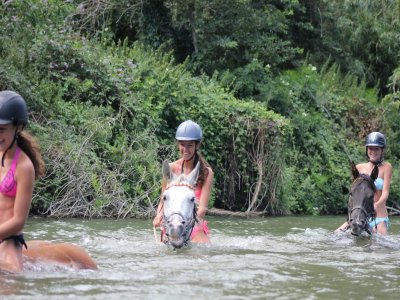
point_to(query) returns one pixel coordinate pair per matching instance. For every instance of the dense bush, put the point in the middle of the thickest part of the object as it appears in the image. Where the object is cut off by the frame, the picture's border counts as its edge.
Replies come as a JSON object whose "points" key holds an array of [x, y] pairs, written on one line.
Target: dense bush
{"points": [[105, 103], [105, 115], [331, 114]]}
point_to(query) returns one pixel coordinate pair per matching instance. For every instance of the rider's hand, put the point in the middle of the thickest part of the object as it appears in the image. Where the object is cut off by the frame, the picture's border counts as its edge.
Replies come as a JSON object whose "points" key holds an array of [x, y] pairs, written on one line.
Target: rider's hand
{"points": [[157, 220]]}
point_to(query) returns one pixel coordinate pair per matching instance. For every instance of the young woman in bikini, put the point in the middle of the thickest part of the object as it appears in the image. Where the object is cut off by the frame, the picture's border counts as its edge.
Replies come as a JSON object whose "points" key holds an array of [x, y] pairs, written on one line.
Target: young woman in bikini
{"points": [[375, 144], [21, 163], [189, 136]]}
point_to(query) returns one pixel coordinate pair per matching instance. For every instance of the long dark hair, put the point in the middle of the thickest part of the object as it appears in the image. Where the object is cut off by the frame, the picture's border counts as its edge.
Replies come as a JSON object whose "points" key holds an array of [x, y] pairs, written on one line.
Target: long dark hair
{"points": [[203, 173], [29, 145]]}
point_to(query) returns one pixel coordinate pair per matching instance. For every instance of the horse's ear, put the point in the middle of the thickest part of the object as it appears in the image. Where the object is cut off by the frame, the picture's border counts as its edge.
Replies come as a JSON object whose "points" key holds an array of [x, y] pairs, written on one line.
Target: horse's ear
{"points": [[194, 175], [354, 170], [166, 169], [375, 173]]}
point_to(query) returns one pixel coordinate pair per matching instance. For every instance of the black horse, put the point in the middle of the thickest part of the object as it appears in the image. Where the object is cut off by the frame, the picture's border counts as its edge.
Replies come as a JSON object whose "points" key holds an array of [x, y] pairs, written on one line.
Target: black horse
{"points": [[361, 201]]}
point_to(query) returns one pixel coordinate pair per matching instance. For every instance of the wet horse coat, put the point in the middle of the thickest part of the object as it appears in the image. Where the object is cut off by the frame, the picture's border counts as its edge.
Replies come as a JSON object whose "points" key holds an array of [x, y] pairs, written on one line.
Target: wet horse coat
{"points": [[67, 254], [361, 201]]}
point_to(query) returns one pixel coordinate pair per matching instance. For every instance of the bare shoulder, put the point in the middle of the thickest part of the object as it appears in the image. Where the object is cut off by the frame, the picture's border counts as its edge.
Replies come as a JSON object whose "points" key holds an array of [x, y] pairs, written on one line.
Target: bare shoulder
{"points": [[387, 165], [387, 168], [362, 167], [24, 165]]}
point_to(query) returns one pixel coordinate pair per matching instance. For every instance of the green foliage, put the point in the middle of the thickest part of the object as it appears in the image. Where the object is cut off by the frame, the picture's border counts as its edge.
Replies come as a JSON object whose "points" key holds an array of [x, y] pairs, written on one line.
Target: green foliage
{"points": [[108, 84], [361, 36], [330, 115], [105, 114]]}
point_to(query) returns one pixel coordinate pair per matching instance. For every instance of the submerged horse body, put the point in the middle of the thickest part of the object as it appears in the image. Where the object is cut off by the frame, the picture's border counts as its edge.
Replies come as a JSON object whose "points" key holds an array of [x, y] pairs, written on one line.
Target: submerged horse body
{"points": [[66, 254], [179, 211], [361, 201]]}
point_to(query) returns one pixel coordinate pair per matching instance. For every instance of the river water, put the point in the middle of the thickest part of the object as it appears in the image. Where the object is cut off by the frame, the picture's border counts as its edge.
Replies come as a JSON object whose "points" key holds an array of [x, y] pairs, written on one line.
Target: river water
{"points": [[262, 258]]}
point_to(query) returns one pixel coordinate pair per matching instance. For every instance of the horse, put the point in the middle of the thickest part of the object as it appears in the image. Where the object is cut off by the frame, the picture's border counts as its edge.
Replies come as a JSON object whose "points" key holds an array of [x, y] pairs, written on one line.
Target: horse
{"points": [[361, 201], [66, 254], [35, 251], [179, 211]]}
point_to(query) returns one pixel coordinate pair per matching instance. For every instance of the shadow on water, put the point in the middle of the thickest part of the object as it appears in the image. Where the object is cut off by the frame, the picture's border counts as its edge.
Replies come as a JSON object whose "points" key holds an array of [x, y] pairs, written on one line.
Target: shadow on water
{"points": [[279, 258]]}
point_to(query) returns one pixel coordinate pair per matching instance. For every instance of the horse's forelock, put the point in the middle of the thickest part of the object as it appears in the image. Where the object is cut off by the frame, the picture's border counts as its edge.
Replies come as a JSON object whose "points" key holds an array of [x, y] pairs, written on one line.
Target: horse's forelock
{"points": [[361, 178]]}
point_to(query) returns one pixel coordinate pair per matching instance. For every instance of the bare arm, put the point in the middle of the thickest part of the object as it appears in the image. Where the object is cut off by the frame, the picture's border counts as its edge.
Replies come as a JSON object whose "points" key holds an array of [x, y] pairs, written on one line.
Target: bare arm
{"points": [[205, 194], [343, 227], [159, 214], [387, 177]]}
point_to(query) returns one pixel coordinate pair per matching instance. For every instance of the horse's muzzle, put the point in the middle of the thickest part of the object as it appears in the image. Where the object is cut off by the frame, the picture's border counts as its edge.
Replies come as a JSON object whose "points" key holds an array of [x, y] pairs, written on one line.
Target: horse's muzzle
{"points": [[357, 227], [175, 231]]}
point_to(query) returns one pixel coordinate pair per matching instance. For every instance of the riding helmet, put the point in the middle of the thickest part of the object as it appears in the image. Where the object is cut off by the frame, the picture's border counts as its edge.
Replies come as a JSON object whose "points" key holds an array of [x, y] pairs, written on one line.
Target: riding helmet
{"points": [[12, 108], [189, 131], [375, 139]]}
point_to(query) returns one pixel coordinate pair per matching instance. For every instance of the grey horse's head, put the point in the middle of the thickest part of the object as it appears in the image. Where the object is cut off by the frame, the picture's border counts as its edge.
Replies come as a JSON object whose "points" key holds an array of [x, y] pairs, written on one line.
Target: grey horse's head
{"points": [[179, 206], [361, 201]]}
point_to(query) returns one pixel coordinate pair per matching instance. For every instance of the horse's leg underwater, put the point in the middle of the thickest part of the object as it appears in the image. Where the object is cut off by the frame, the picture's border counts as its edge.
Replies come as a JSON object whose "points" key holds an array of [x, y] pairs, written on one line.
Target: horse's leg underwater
{"points": [[62, 253]]}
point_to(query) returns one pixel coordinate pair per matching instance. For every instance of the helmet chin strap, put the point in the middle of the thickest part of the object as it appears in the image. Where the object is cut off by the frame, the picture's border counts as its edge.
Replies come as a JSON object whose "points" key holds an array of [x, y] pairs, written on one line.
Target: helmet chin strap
{"points": [[9, 147]]}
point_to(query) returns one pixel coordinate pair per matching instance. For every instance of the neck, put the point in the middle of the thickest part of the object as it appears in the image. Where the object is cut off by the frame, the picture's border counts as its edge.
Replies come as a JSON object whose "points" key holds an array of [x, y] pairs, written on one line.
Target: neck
{"points": [[188, 164], [376, 163]]}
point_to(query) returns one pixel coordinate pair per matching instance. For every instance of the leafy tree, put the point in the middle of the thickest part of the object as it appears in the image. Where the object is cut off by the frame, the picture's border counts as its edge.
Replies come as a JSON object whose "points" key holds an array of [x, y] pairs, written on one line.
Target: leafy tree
{"points": [[361, 36]]}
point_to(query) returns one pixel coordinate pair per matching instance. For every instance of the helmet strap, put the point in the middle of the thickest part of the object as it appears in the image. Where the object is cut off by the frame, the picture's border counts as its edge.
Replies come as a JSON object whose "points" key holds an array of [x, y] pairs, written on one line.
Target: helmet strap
{"points": [[16, 135]]}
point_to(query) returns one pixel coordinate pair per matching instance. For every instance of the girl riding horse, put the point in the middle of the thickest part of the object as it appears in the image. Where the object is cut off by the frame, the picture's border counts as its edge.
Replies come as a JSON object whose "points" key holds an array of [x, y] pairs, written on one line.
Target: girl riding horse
{"points": [[189, 136], [21, 164], [375, 144]]}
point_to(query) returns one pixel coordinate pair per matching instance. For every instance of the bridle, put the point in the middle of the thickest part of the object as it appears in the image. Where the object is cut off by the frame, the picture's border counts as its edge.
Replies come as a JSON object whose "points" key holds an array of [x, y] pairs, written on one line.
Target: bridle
{"points": [[187, 223], [368, 215]]}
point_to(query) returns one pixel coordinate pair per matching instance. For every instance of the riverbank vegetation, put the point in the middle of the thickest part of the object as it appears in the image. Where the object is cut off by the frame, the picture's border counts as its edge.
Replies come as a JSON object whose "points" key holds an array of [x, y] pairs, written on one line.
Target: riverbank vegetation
{"points": [[285, 92]]}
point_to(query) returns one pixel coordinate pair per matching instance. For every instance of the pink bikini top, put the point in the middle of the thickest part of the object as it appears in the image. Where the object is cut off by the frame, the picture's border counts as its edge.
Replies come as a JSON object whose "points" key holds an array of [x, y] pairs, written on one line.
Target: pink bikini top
{"points": [[8, 185]]}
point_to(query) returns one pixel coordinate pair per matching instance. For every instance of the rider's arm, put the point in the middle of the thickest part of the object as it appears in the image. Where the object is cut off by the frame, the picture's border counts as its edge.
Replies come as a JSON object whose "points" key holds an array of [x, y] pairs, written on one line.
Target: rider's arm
{"points": [[387, 177], [159, 213], [205, 194], [343, 227]]}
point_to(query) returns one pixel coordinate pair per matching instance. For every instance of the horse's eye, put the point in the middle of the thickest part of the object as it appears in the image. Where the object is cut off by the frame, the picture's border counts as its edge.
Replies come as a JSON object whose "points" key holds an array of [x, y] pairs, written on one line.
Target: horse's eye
{"points": [[164, 198], [192, 199]]}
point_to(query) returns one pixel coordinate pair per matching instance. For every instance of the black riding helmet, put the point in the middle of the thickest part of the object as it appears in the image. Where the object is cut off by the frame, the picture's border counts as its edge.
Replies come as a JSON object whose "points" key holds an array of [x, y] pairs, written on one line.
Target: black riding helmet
{"points": [[375, 139], [13, 110]]}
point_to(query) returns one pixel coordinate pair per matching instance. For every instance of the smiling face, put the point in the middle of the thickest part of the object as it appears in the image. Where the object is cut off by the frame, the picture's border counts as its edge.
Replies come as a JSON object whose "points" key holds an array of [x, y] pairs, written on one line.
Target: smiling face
{"points": [[374, 153], [187, 149], [7, 133]]}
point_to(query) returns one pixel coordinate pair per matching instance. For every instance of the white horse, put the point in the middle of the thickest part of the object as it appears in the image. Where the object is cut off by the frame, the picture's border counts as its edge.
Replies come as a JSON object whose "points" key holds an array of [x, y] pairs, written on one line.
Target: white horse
{"points": [[179, 206]]}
